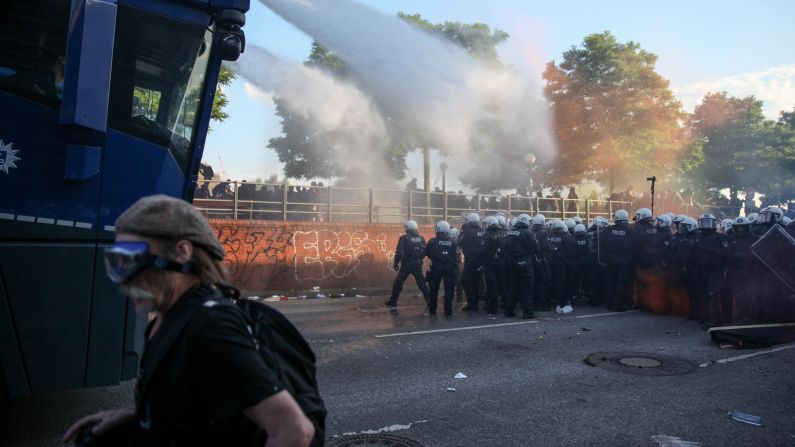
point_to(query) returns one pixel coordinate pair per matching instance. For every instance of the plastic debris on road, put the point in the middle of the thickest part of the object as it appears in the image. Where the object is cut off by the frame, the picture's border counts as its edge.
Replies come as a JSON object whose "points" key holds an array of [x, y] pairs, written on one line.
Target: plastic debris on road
{"points": [[255, 298], [452, 390], [747, 418], [272, 299], [320, 296], [316, 289], [673, 441], [567, 309], [460, 376], [360, 296]]}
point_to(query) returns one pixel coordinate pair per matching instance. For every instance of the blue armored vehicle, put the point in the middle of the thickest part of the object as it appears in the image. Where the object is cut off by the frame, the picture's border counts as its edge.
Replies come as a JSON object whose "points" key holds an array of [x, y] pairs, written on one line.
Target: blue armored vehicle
{"points": [[101, 102]]}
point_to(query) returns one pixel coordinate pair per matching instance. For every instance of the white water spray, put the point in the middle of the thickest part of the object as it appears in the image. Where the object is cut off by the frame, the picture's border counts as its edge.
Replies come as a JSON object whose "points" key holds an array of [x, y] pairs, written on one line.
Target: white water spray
{"points": [[430, 89]]}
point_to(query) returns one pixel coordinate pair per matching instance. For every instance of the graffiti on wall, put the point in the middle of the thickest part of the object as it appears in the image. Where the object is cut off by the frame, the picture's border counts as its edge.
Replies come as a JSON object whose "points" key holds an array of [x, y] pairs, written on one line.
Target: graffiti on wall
{"points": [[250, 248], [323, 254]]}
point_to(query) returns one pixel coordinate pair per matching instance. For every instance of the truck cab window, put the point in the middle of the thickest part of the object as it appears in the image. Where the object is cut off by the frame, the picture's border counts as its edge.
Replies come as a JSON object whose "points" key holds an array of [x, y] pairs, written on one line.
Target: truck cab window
{"points": [[159, 70], [33, 48]]}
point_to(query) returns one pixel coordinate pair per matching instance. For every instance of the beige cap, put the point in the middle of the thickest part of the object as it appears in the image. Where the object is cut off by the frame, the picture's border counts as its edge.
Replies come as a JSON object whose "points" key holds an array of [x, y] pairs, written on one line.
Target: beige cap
{"points": [[165, 217]]}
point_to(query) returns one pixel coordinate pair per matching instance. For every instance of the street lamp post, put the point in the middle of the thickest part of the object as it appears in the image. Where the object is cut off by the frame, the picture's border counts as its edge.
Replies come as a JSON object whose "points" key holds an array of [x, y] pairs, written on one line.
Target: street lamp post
{"points": [[530, 159], [443, 167]]}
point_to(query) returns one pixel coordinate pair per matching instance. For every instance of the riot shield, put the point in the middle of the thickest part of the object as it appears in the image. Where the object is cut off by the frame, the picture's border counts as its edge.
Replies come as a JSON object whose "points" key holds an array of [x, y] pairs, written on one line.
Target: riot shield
{"points": [[776, 250]]}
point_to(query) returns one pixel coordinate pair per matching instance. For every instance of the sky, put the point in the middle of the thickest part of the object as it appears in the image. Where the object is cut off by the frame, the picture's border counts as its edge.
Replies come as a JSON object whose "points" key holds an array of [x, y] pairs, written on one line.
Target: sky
{"points": [[702, 46]]}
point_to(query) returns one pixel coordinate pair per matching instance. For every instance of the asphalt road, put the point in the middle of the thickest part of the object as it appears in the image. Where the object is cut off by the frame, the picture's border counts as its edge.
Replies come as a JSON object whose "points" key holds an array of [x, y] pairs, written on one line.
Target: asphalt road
{"points": [[527, 383]]}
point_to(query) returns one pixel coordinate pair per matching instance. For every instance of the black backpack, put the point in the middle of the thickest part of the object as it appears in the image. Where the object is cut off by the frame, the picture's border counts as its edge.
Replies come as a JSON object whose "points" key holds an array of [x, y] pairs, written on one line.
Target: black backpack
{"points": [[286, 351]]}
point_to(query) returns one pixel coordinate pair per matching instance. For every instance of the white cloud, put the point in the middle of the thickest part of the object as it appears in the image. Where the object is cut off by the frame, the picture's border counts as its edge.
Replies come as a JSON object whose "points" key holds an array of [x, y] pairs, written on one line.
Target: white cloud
{"points": [[255, 94], [775, 86]]}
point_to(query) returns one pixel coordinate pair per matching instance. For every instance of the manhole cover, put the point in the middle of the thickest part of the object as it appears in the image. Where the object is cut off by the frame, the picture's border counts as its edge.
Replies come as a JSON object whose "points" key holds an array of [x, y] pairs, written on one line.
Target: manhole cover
{"points": [[640, 363], [372, 441]]}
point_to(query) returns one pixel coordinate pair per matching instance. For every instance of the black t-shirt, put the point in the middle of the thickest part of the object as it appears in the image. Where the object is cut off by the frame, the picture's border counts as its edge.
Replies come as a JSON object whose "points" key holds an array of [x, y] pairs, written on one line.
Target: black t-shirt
{"points": [[198, 373]]}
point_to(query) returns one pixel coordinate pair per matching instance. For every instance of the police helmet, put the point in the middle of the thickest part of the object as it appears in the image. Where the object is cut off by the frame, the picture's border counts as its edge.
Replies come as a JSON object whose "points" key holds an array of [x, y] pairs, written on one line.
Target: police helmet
{"points": [[443, 227], [741, 226], [707, 222], [663, 221], [411, 225], [454, 233], [523, 220], [501, 220], [786, 220], [741, 221], [513, 222], [473, 219], [621, 216], [643, 214], [679, 218], [570, 224], [688, 225], [725, 225], [490, 221], [771, 214], [601, 222], [559, 226], [671, 215], [577, 220], [753, 217], [579, 229], [539, 219]]}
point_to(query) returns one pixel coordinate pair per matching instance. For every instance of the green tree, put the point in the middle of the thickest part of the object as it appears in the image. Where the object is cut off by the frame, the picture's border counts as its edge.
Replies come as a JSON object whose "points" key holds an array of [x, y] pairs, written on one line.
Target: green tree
{"points": [[308, 152], [220, 100], [734, 134], [615, 118]]}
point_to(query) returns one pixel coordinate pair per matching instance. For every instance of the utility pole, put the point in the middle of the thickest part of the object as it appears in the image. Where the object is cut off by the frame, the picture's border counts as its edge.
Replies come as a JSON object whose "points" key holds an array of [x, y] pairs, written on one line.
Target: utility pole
{"points": [[653, 180]]}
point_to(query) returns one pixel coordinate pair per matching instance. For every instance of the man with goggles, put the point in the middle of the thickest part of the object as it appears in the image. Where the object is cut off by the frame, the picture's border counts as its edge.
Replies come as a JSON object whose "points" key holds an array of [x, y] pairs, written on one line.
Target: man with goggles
{"points": [[202, 380]]}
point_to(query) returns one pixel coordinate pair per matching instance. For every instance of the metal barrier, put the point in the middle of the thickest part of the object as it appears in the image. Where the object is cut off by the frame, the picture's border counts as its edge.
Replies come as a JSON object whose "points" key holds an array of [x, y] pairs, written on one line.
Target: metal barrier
{"points": [[269, 201]]}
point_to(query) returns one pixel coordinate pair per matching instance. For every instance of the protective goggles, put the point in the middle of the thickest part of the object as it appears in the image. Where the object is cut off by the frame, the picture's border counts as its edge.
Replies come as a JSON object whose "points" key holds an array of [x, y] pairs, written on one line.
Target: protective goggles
{"points": [[125, 259]]}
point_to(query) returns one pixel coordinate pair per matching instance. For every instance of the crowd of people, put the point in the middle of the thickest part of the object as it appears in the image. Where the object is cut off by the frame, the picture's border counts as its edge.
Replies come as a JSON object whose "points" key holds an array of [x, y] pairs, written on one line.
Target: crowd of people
{"points": [[702, 267]]}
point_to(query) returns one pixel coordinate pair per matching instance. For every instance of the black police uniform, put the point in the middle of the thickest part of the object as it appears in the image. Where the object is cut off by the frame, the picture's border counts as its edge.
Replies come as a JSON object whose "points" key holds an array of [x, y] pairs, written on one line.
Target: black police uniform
{"points": [[595, 274], [580, 266], [709, 254], [444, 266], [502, 276], [617, 245], [643, 258], [471, 243], [409, 254], [742, 271], [521, 248], [541, 273], [561, 252], [492, 263], [684, 267]]}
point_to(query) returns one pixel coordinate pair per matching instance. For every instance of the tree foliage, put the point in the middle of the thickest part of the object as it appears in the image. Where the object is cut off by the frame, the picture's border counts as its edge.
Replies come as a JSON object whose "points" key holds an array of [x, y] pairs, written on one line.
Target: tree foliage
{"points": [[220, 100], [615, 118]]}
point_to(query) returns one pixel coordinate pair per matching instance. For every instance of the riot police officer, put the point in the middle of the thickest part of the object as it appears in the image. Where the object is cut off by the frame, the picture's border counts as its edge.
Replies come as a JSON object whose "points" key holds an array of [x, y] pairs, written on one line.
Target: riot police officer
{"points": [[581, 264], [541, 274], [471, 242], [682, 260], [491, 261], [617, 245], [561, 251], [709, 253], [595, 280], [521, 248], [643, 255], [409, 254], [443, 253]]}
